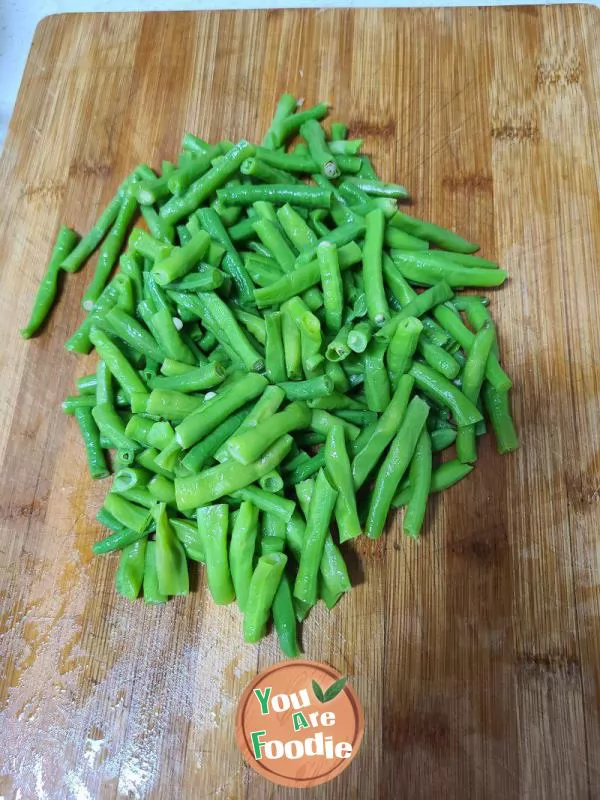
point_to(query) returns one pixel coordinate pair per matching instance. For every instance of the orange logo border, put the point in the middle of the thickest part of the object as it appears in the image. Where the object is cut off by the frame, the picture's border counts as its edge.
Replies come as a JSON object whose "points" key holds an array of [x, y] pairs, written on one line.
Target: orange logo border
{"points": [[246, 747]]}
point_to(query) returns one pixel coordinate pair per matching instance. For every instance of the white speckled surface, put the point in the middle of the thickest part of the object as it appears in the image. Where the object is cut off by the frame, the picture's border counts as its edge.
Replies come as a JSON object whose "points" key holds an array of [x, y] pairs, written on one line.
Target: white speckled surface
{"points": [[18, 20]]}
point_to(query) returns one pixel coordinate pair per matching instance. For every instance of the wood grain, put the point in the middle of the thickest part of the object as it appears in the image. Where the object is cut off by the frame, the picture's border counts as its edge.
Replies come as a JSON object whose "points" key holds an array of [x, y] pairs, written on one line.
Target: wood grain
{"points": [[476, 651]]}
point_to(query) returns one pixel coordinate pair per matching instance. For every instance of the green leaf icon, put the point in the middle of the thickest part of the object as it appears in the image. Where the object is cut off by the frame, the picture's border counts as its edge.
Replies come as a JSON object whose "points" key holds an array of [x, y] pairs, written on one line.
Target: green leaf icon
{"points": [[334, 689], [318, 692]]}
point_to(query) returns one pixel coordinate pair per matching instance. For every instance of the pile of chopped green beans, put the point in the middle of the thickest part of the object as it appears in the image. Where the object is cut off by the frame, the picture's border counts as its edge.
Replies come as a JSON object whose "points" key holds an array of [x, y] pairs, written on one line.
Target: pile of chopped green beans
{"points": [[281, 362]]}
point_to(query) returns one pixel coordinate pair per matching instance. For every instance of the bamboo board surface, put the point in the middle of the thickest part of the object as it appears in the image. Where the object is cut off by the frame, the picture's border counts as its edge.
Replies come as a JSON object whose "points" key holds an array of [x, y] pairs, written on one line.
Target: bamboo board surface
{"points": [[475, 651]]}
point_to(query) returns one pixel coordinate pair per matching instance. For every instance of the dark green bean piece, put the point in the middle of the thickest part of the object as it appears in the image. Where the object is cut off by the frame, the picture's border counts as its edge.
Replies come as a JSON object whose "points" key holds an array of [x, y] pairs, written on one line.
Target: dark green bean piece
{"points": [[248, 446], [457, 329], [359, 336], [442, 438], [394, 465], [241, 550], [196, 490], [128, 514], [162, 490], [420, 482], [181, 260], [217, 314], [378, 188], [304, 390], [377, 382], [178, 207], [111, 425], [415, 307], [272, 237], [138, 428], [73, 402], [264, 408], [66, 241], [400, 240], [284, 618], [438, 359], [367, 457], [198, 455], [472, 379], [188, 534], [321, 507], [267, 501], [465, 260], [196, 379], [257, 169], [130, 572], [314, 135], [129, 478], [498, 409], [291, 124], [86, 384], [130, 331], [212, 525], [147, 459], [297, 194], [366, 168], [303, 278], [116, 362], [339, 131], [183, 177], [445, 393], [428, 269], [339, 472], [372, 268], [157, 226], [296, 229], [286, 106], [105, 518], [448, 240], [109, 252], [172, 405], [171, 561], [194, 144], [292, 346], [117, 540], [91, 441], [305, 469], [274, 349], [79, 255], [169, 338], [216, 410], [402, 347], [152, 593], [80, 342], [232, 263], [445, 476], [261, 594], [331, 281]]}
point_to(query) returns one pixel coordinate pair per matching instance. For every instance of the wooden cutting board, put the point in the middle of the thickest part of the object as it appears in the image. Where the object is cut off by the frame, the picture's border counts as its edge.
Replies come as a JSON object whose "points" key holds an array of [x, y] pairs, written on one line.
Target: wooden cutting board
{"points": [[475, 651]]}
